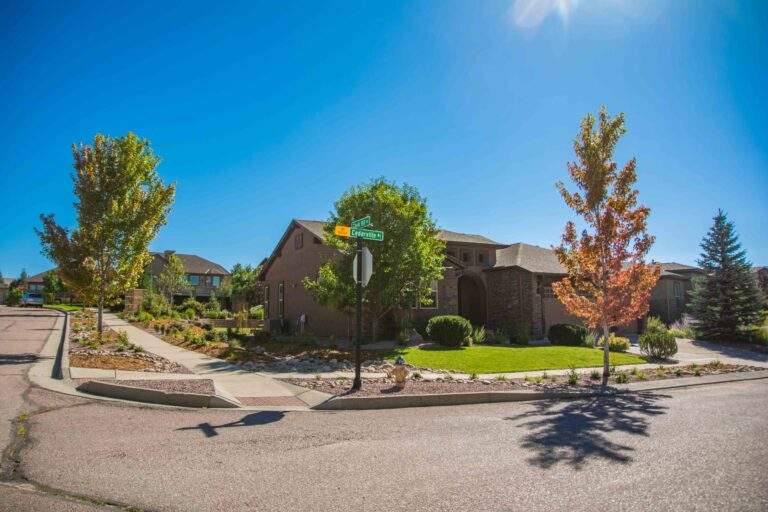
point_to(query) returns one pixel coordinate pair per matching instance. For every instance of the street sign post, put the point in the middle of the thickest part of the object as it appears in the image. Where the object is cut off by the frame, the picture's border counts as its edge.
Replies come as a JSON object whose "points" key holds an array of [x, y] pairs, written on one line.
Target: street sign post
{"points": [[367, 266], [361, 223], [361, 274]]}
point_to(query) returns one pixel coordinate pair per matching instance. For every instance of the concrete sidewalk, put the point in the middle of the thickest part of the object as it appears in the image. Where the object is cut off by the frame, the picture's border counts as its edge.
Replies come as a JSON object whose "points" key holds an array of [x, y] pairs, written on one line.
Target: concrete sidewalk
{"points": [[250, 388]]}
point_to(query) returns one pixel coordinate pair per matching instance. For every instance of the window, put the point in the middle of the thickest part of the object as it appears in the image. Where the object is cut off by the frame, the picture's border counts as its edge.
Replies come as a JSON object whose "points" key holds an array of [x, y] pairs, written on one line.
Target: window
{"points": [[678, 290], [193, 280], [430, 301], [280, 300], [465, 257], [481, 258], [215, 281], [298, 241], [266, 302]]}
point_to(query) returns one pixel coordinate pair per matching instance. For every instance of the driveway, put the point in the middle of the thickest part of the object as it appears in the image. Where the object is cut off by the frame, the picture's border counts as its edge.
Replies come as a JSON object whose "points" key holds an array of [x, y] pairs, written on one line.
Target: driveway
{"points": [[689, 351]]}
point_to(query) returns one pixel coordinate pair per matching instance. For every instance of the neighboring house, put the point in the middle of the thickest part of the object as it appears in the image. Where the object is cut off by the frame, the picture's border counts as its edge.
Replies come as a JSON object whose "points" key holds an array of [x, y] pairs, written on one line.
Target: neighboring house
{"points": [[35, 284], [5, 284], [203, 276], [489, 283], [669, 298]]}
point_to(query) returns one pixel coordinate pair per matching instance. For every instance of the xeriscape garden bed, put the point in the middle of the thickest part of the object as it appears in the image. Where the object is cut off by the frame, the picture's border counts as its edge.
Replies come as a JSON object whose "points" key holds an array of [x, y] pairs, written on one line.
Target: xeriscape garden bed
{"points": [[583, 382], [111, 350]]}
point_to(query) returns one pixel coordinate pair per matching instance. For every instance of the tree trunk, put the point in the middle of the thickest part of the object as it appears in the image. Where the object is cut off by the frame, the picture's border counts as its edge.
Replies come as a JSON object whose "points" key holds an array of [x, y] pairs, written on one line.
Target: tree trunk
{"points": [[606, 356], [100, 325]]}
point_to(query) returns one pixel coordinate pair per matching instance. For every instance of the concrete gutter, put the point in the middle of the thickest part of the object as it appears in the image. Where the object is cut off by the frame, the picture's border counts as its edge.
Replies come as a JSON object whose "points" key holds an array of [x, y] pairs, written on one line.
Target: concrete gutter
{"points": [[155, 396], [484, 397]]}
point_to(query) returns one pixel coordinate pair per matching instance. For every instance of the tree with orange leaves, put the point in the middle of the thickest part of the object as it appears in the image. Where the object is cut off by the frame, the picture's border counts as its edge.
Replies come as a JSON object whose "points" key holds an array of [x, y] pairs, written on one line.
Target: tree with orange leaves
{"points": [[608, 283]]}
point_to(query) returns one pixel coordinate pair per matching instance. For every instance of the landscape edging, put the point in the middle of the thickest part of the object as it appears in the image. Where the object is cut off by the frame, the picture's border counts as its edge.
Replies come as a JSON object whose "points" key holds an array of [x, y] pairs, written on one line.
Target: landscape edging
{"points": [[482, 397]]}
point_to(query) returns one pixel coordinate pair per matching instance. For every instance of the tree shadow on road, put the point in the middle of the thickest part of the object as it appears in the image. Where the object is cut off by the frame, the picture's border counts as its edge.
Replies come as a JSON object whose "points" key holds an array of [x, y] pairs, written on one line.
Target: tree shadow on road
{"points": [[575, 432], [250, 420]]}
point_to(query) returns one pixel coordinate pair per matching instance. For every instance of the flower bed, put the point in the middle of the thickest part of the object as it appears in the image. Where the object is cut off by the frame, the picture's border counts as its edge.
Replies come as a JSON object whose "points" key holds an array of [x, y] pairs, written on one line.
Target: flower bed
{"points": [[112, 350], [447, 384]]}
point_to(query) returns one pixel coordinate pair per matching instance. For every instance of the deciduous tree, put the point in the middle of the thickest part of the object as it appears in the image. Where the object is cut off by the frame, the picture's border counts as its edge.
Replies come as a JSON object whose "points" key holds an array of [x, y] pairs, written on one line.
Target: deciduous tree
{"points": [[405, 264], [121, 204], [173, 278], [608, 283], [726, 298]]}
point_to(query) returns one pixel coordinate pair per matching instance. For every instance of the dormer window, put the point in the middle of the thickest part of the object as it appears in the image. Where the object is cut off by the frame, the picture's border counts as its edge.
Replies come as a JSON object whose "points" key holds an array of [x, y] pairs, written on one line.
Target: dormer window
{"points": [[298, 241]]}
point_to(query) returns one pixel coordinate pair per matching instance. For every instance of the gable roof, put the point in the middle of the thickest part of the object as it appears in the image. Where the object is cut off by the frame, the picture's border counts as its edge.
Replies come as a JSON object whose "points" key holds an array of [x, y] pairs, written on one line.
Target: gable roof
{"points": [[465, 238], [194, 264], [674, 267], [38, 278], [532, 258]]}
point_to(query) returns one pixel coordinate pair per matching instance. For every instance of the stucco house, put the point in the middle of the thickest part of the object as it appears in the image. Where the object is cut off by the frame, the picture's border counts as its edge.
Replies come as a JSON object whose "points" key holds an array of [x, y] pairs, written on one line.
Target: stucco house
{"points": [[493, 284], [204, 276]]}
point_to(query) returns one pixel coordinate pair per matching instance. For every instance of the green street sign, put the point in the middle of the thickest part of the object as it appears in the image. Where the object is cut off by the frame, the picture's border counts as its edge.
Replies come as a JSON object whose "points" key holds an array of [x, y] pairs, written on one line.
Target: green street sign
{"points": [[361, 223], [367, 234]]}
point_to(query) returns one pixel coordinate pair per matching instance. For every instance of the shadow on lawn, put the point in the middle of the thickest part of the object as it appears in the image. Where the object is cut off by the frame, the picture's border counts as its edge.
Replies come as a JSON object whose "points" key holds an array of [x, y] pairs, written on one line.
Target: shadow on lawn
{"points": [[250, 420], [575, 432]]}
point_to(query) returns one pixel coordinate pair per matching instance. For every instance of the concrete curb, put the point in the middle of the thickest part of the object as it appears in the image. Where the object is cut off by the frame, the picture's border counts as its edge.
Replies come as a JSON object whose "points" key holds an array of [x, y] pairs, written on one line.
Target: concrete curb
{"points": [[155, 396], [401, 401]]}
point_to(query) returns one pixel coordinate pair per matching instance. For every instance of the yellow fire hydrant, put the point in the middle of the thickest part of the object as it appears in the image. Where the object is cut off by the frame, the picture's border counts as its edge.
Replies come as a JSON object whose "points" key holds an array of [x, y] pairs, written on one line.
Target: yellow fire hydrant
{"points": [[400, 372]]}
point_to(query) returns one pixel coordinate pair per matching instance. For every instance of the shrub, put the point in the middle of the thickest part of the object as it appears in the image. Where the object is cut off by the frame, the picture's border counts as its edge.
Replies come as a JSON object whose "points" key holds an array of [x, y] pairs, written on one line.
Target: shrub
{"points": [[156, 305], [655, 324], [573, 377], [683, 328], [615, 343], [590, 340], [196, 305], [257, 312], [497, 336], [657, 344], [567, 334], [622, 378], [449, 330], [189, 314], [756, 334], [594, 375], [473, 376], [144, 317], [14, 297], [520, 335], [479, 335]]}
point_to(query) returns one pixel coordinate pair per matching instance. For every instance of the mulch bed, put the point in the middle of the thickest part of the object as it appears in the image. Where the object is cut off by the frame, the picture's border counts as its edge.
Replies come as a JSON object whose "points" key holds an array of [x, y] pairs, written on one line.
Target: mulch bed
{"points": [[379, 387], [197, 386]]}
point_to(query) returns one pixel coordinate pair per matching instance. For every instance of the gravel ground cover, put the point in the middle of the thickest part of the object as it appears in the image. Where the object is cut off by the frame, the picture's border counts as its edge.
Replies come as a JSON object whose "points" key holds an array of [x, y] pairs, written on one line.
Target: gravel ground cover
{"points": [[419, 386], [197, 386], [111, 350]]}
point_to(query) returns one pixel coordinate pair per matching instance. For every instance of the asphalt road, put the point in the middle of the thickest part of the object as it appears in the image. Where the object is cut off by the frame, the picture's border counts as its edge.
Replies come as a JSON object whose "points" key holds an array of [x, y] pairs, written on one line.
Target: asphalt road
{"points": [[703, 448]]}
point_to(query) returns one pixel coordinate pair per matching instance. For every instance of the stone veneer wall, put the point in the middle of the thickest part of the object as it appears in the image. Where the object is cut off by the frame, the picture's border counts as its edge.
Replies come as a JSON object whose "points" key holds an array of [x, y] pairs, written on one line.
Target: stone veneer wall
{"points": [[511, 300]]}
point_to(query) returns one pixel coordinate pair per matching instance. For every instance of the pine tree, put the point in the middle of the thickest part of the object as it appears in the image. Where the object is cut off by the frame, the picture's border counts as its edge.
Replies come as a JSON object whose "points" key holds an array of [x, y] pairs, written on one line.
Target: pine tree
{"points": [[725, 298]]}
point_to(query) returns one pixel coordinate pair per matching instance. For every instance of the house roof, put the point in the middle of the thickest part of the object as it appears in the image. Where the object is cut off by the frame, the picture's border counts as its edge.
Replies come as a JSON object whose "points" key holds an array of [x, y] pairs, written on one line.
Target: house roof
{"points": [[194, 264], [313, 226], [532, 258], [38, 278], [6, 281], [674, 267], [465, 238]]}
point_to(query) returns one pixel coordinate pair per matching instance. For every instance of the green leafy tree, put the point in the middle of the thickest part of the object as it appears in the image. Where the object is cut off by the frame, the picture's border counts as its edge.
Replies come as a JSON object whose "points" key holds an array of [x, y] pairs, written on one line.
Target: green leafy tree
{"points": [[52, 285], [244, 282], [173, 278], [14, 296], [726, 297], [405, 264], [121, 204]]}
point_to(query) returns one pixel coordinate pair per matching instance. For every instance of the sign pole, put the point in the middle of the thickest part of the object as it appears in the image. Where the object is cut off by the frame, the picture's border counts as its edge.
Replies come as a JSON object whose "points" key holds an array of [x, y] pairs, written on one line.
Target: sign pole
{"points": [[358, 382]]}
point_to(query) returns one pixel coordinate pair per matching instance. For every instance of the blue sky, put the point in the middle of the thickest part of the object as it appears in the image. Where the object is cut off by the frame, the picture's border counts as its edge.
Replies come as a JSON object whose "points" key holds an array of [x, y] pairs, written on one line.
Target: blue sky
{"points": [[266, 111]]}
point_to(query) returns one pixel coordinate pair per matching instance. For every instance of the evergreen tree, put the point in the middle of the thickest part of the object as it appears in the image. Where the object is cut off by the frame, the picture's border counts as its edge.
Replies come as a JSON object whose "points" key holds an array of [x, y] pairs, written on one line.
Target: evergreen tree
{"points": [[725, 298]]}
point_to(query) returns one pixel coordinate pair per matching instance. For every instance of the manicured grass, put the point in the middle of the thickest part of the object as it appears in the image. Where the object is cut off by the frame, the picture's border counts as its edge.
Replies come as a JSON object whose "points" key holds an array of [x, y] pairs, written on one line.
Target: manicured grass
{"points": [[64, 307], [498, 359]]}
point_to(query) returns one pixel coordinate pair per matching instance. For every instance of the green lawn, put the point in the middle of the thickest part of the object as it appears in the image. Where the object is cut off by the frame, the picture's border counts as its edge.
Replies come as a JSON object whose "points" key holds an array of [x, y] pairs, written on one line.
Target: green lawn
{"points": [[64, 307], [498, 359]]}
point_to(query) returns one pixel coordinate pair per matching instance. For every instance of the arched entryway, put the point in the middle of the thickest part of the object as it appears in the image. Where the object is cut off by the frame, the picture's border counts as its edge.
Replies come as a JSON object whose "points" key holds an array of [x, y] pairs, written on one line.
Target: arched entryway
{"points": [[472, 299]]}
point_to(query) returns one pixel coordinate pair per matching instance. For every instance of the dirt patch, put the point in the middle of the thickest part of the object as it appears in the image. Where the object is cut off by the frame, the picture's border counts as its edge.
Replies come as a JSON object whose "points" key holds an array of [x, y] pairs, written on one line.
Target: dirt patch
{"points": [[197, 386], [109, 362]]}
